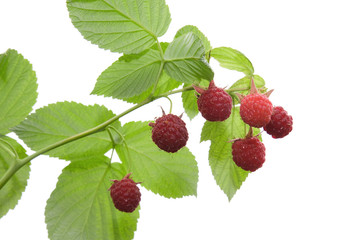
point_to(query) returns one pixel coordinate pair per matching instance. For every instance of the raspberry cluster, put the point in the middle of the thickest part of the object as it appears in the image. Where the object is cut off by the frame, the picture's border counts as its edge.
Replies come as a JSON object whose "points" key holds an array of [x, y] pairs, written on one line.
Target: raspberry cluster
{"points": [[256, 110]]}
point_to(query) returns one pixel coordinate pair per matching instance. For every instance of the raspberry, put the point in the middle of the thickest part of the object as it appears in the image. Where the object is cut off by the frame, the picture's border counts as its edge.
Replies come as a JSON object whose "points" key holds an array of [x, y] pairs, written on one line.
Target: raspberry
{"points": [[256, 110], [169, 133], [248, 153], [280, 124], [214, 103], [125, 194]]}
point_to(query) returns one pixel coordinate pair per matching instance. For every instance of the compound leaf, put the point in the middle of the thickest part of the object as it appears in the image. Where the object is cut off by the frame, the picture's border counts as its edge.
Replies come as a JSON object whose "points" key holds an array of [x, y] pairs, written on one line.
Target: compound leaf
{"points": [[185, 59], [62, 120], [13, 189], [17, 89], [80, 207], [171, 175], [122, 26], [232, 59], [129, 76]]}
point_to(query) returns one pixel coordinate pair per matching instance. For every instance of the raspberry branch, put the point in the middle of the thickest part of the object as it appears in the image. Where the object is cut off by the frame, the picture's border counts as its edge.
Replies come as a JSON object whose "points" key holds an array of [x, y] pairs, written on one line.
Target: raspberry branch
{"points": [[19, 163]]}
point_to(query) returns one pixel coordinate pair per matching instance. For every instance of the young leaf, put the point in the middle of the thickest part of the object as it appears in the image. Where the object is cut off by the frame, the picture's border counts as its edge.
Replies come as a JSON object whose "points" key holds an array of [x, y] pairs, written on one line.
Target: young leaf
{"points": [[189, 28], [164, 85], [172, 175], [129, 76], [233, 59], [185, 59], [127, 26], [62, 120], [80, 207], [227, 175], [17, 89], [13, 189], [189, 100]]}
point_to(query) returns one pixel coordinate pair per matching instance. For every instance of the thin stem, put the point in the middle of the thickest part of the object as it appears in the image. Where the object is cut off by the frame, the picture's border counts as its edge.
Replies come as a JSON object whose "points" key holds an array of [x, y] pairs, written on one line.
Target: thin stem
{"points": [[111, 136], [117, 132], [171, 104], [160, 49], [112, 153], [189, 88], [11, 171]]}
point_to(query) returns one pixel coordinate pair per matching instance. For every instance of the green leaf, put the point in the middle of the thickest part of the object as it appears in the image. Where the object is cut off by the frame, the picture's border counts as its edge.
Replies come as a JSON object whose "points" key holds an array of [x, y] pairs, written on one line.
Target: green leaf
{"points": [[129, 76], [189, 100], [11, 193], [164, 85], [185, 59], [245, 84], [232, 59], [122, 26], [62, 120], [189, 28], [171, 175], [80, 207], [17, 89], [227, 175]]}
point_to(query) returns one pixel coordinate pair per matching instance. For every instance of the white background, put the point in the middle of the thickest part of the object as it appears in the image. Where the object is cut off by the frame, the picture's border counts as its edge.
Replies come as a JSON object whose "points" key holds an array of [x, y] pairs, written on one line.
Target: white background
{"points": [[308, 51]]}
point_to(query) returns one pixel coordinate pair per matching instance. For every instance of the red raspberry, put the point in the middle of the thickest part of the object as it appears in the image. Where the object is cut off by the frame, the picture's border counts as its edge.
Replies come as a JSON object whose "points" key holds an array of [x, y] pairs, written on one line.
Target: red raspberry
{"points": [[256, 110], [280, 124], [125, 194], [248, 153], [169, 133], [214, 103]]}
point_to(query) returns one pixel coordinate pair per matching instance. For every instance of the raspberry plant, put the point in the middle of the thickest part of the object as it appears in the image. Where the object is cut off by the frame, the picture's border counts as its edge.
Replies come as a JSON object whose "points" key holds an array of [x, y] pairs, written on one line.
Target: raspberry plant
{"points": [[81, 205]]}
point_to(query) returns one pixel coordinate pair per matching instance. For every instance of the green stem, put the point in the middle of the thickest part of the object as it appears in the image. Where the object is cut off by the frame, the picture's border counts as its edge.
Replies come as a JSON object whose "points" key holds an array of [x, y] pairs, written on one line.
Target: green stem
{"points": [[11, 171], [117, 132], [160, 50], [111, 136], [189, 88], [101, 127], [170, 104]]}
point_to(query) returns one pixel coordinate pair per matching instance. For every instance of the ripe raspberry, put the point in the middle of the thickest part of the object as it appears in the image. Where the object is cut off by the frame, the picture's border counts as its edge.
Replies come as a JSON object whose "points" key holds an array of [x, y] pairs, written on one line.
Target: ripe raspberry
{"points": [[248, 153], [125, 194], [169, 133], [280, 124], [214, 103], [256, 110]]}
